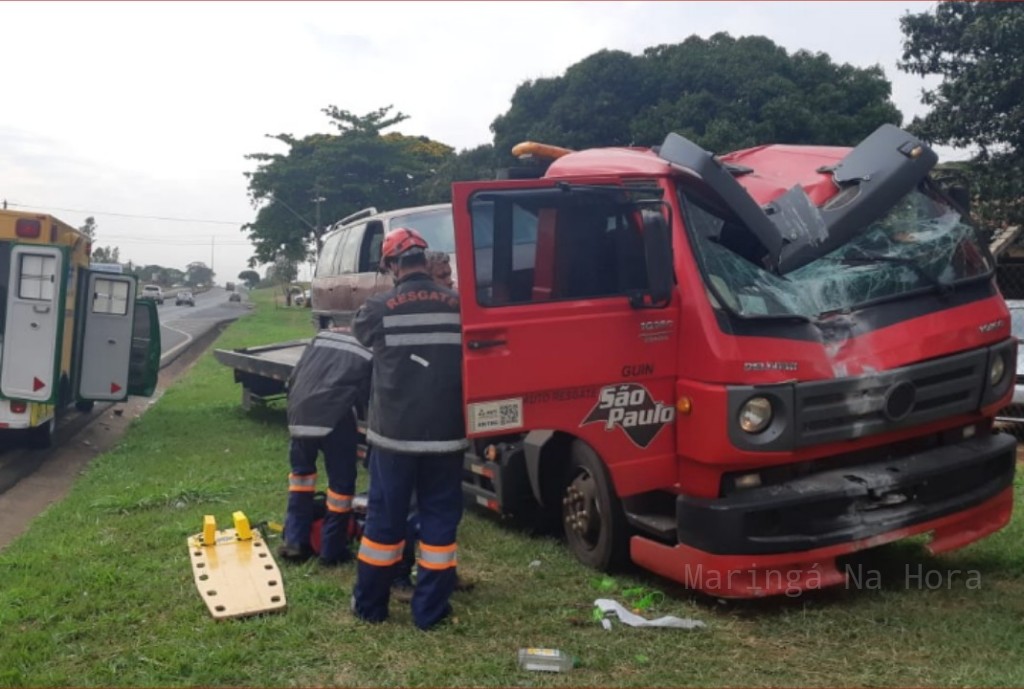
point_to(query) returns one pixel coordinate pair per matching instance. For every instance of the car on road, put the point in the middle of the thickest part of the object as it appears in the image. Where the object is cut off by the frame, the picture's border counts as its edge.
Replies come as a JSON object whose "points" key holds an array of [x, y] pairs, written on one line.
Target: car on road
{"points": [[235, 296], [153, 292], [184, 297]]}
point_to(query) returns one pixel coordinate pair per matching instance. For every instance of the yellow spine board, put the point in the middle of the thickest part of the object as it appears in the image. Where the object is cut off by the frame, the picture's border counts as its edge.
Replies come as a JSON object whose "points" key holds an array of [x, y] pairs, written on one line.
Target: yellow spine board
{"points": [[236, 577]]}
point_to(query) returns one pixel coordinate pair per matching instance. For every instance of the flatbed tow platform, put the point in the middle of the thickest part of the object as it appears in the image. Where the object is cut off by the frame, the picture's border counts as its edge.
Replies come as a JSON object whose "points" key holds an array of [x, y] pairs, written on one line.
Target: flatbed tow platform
{"points": [[263, 371]]}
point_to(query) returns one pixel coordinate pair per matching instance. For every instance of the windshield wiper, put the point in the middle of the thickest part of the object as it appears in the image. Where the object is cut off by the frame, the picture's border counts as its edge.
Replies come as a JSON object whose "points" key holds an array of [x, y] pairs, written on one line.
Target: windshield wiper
{"points": [[864, 258]]}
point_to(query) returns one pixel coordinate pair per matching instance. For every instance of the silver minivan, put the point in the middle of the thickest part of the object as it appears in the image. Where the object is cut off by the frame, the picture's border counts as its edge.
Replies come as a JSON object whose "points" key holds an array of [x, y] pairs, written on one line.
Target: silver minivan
{"points": [[347, 268]]}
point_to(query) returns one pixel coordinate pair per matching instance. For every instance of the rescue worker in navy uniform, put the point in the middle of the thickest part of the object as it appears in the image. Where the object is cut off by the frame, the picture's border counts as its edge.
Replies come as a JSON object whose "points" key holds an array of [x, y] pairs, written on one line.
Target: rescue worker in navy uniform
{"points": [[331, 378], [416, 432]]}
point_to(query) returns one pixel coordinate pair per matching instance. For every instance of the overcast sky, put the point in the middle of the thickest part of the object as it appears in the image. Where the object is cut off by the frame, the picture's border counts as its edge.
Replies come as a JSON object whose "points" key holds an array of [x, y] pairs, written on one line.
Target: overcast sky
{"points": [[148, 109]]}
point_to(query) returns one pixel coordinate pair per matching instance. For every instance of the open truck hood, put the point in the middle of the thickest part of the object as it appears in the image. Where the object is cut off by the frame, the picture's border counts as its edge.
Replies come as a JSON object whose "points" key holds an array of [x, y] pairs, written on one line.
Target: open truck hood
{"points": [[790, 231]]}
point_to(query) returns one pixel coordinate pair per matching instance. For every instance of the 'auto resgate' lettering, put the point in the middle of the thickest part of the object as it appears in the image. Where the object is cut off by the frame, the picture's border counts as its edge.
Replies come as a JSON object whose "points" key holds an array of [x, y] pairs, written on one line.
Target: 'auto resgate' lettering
{"points": [[631, 407]]}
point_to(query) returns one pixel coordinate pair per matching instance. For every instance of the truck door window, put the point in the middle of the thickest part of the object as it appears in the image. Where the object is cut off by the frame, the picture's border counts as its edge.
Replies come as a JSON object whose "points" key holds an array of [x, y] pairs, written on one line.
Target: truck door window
{"points": [[36, 277], [110, 296], [549, 245]]}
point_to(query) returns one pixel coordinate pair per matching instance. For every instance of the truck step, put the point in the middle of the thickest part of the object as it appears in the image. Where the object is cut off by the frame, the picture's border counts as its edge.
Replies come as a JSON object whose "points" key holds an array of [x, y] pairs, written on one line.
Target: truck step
{"points": [[662, 526]]}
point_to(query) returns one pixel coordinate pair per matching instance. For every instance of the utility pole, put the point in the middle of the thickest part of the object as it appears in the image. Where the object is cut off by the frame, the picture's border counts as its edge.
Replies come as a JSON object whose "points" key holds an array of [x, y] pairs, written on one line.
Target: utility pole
{"points": [[317, 232]]}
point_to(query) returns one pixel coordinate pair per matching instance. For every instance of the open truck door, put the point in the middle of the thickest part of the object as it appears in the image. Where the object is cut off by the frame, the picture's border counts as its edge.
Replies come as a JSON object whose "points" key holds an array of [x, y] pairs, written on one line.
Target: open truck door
{"points": [[34, 321], [114, 360], [566, 326]]}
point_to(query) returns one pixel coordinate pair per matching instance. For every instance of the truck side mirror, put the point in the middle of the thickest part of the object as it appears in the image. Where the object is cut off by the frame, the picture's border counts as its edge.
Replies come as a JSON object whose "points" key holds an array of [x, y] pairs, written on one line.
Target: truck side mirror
{"points": [[658, 255]]}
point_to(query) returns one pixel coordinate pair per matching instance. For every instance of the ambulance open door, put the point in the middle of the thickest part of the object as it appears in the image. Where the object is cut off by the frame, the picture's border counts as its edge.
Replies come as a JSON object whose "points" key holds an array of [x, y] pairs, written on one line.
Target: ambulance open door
{"points": [[34, 324]]}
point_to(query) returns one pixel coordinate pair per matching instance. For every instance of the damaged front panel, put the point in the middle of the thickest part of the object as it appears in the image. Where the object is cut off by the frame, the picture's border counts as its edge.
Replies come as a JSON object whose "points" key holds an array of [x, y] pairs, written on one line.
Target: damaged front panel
{"points": [[791, 232]]}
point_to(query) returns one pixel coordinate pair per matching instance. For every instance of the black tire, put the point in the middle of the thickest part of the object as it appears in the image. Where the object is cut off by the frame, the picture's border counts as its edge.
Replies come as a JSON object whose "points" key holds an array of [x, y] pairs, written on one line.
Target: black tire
{"points": [[85, 406], [595, 525], [43, 437]]}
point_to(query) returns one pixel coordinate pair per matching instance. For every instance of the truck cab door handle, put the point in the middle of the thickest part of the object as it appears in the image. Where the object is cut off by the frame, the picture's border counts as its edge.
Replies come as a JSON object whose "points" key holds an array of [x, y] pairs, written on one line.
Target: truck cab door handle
{"points": [[483, 344], [41, 309]]}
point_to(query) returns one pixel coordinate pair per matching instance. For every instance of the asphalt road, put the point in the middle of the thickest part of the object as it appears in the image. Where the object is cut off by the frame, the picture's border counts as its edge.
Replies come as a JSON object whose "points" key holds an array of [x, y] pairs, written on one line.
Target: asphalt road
{"points": [[179, 325]]}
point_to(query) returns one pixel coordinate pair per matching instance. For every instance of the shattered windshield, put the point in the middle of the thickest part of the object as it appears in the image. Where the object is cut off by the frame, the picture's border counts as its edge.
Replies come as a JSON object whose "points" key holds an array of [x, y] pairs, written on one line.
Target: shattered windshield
{"points": [[920, 244]]}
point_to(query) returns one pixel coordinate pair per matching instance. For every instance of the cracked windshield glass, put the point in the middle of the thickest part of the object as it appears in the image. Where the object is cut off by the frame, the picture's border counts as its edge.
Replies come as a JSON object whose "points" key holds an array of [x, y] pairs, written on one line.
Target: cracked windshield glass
{"points": [[921, 243]]}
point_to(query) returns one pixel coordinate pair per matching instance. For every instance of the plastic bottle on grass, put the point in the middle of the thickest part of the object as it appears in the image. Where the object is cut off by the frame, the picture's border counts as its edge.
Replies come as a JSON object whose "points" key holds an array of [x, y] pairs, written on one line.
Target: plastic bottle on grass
{"points": [[545, 660]]}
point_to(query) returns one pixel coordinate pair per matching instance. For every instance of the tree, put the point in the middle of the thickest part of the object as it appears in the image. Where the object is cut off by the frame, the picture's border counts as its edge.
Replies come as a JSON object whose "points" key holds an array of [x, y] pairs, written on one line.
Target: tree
{"points": [[977, 48], [89, 228], [106, 254], [250, 277], [283, 273], [351, 170], [198, 273], [469, 164], [724, 93]]}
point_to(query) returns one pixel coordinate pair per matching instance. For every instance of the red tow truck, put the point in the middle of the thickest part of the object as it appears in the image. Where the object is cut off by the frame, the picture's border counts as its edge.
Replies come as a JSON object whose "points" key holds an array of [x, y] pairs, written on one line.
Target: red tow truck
{"points": [[733, 370]]}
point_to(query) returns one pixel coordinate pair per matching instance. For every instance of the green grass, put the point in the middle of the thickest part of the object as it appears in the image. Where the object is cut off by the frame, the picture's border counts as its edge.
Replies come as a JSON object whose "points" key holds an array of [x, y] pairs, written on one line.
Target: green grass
{"points": [[99, 591]]}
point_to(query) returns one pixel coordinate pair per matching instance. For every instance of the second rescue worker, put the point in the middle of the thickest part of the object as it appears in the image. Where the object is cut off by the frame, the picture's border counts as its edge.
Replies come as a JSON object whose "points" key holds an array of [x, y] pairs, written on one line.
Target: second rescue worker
{"points": [[416, 431]]}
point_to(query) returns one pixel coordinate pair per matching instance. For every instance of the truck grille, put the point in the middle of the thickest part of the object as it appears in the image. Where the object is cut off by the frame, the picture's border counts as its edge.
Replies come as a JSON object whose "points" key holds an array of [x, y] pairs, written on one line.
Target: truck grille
{"points": [[865, 405]]}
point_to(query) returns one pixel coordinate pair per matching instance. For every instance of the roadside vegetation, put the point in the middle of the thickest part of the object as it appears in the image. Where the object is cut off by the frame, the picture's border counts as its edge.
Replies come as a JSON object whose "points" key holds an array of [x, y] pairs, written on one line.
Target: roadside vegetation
{"points": [[99, 591]]}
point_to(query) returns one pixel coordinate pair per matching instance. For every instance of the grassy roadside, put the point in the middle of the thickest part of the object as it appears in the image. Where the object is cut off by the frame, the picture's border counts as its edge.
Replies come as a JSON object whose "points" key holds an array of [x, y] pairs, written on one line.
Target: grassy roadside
{"points": [[99, 591]]}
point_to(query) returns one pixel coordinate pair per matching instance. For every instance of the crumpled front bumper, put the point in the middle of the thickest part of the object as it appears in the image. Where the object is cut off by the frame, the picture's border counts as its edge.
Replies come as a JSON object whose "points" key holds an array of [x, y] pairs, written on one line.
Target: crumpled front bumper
{"points": [[784, 538]]}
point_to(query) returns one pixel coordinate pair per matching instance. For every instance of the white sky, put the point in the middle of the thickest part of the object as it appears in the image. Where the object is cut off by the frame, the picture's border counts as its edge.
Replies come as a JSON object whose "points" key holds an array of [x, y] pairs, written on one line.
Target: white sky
{"points": [[148, 109]]}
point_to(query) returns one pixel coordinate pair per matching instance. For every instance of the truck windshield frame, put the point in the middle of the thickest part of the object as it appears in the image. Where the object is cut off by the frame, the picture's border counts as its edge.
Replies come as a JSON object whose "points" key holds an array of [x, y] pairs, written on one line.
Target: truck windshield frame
{"points": [[920, 245]]}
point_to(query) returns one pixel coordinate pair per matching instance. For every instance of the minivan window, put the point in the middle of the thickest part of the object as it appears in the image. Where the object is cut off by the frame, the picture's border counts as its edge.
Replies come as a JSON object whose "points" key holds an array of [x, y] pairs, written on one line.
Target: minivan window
{"points": [[325, 266], [347, 258]]}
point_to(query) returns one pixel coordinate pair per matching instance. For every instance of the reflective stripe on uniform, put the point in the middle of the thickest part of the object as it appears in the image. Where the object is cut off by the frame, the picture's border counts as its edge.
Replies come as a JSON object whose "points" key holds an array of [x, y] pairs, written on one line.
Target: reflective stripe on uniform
{"points": [[438, 556], [379, 554], [299, 431], [414, 319], [336, 502], [410, 339], [305, 483], [358, 350], [434, 447]]}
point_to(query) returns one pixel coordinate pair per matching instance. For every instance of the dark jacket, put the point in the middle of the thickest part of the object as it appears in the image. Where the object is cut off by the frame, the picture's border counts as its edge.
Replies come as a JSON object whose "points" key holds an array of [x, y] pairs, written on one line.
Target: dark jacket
{"points": [[331, 378], [415, 333]]}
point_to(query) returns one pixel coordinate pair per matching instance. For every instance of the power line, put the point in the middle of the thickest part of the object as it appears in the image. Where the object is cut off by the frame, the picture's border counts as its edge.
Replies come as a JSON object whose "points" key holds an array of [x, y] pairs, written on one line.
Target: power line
{"points": [[124, 215]]}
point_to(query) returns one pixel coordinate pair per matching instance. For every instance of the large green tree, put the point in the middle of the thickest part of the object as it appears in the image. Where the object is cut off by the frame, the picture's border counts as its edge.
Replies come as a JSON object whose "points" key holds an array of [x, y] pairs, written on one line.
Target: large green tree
{"points": [[977, 48], [723, 92], [250, 277], [324, 177]]}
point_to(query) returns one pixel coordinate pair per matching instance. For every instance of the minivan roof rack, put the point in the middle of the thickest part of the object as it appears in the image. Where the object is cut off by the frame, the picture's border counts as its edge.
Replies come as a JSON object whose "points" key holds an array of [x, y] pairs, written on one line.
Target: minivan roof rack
{"points": [[365, 213]]}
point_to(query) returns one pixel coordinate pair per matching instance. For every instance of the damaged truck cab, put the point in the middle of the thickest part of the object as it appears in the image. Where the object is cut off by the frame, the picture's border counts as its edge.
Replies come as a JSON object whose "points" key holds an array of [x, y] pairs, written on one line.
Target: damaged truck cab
{"points": [[734, 370]]}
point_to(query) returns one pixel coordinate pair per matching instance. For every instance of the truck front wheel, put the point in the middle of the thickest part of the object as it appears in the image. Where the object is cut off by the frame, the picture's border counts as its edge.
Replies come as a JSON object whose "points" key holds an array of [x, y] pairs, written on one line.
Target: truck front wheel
{"points": [[595, 525]]}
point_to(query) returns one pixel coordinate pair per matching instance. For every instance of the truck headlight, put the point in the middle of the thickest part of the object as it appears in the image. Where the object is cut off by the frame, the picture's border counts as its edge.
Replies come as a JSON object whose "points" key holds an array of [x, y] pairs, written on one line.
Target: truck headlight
{"points": [[755, 414], [997, 370]]}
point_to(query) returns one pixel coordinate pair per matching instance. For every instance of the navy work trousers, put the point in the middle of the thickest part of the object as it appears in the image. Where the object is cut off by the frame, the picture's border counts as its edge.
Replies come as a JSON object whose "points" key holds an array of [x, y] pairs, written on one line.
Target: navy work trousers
{"points": [[339, 450], [436, 481]]}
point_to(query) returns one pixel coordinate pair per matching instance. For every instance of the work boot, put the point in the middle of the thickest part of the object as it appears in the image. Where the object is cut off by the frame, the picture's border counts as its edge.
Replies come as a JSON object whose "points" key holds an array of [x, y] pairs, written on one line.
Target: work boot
{"points": [[464, 583], [343, 559], [294, 553]]}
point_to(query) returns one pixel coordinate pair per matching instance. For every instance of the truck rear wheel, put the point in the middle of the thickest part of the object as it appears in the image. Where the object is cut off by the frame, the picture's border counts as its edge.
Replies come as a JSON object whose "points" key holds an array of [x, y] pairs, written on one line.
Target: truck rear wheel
{"points": [[595, 524]]}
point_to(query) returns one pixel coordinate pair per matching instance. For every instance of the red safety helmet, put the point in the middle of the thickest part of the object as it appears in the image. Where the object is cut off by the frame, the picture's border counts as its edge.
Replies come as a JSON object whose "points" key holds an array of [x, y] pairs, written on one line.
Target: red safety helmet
{"points": [[398, 241]]}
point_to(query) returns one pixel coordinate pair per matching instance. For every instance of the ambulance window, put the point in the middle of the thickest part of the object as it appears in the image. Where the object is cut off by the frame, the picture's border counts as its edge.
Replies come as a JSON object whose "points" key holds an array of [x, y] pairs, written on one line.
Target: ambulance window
{"points": [[549, 245], [36, 277], [110, 296]]}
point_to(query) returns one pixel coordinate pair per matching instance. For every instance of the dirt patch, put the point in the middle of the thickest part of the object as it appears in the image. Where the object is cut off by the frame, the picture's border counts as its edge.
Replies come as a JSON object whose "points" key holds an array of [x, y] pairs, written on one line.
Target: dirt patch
{"points": [[58, 468]]}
